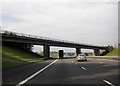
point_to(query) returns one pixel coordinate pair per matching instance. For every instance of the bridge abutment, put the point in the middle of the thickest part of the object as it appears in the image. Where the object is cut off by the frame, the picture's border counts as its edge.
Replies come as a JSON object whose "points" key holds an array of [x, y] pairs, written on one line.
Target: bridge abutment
{"points": [[96, 52], [46, 51], [78, 51]]}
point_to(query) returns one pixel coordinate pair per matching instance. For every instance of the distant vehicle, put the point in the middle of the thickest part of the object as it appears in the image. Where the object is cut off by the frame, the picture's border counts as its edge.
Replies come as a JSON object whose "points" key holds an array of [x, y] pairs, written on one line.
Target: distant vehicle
{"points": [[60, 54], [81, 57]]}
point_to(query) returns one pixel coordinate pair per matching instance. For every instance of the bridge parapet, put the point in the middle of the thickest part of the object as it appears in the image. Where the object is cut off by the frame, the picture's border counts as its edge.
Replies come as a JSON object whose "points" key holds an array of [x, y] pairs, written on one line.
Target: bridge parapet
{"points": [[77, 44]]}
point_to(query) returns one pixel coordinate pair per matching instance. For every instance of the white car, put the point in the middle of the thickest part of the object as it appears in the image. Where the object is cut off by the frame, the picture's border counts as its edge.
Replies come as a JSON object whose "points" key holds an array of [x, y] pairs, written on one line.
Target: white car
{"points": [[81, 57]]}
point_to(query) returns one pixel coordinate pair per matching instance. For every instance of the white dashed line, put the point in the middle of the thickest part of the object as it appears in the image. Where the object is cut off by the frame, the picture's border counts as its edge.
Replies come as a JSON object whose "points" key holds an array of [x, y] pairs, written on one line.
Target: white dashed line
{"points": [[24, 81], [108, 82], [83, 68]]}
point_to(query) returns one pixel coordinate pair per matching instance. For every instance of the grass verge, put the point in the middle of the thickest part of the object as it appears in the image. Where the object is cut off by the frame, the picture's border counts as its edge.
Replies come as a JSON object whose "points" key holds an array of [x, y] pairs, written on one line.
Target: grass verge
{"points": [[115, 52], [13, 57]]}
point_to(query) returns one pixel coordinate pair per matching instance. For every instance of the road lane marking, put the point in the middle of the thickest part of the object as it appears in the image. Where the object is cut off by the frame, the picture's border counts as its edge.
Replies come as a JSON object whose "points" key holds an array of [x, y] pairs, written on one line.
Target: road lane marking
{"points": [[30, 77], [83, 68], [108, 82]]}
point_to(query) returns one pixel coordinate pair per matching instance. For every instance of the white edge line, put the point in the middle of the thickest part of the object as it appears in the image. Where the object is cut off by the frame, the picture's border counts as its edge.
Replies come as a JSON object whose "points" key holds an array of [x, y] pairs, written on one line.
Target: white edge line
{"points": [[108, 82], [30, 77], [109, 60]]}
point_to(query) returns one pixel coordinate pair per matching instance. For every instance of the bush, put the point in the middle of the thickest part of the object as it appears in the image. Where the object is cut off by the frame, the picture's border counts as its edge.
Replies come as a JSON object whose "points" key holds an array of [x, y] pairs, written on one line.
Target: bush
{"points": [[86, 54]]}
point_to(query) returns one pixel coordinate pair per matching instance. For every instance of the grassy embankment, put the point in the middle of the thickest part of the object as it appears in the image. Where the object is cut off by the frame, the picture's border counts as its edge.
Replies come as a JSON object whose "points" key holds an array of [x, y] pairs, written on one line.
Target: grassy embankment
{"points": [[115, 52], [110, 56], [12, 57], [52, 55]]}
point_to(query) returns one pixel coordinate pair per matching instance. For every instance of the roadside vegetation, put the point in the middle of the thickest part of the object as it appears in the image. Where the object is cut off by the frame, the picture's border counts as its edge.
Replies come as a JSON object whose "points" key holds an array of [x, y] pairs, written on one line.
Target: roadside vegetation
{"points": [[110, 56], [52, 55], [114, 52], [13, 57]]}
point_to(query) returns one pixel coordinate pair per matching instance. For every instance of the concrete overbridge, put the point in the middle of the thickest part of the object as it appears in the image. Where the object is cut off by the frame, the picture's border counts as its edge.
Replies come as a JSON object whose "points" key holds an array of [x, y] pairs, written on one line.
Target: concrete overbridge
{"points": [[23, 39]]}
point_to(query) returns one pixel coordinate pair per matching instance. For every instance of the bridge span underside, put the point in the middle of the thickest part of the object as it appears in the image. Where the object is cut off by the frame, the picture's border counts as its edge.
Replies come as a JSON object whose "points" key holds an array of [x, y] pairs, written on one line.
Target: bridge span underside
{"points": [[22, 40]]}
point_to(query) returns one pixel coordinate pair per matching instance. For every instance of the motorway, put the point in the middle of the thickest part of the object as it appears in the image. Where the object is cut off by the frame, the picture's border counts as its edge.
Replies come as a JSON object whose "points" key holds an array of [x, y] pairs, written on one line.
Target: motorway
{"points": [[65, 71]]}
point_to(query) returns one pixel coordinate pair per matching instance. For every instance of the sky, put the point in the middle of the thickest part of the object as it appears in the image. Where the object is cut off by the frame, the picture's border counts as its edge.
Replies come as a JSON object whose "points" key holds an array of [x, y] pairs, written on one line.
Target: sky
{"points": [[85, 21]]}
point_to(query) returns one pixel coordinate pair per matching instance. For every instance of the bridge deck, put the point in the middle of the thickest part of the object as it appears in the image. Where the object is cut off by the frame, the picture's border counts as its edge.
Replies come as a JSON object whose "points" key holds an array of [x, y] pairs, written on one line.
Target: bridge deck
{"points": [[39, 40]]}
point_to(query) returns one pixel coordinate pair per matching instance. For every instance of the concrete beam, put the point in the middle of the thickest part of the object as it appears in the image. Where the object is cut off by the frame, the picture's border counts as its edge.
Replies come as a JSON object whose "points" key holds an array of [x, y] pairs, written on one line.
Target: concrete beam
{"points": [[78, 51], [38, 41], [46, 51], [96, 52]]}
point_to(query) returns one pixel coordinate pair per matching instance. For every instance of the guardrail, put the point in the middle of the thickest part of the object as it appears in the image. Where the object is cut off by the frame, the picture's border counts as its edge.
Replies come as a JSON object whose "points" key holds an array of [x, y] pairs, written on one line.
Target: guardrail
{"points": [[41, 37], [105, 57]]}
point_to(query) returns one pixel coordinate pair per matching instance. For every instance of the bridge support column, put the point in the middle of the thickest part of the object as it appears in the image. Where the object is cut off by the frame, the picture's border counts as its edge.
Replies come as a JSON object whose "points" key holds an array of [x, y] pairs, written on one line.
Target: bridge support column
{"points": [[96, 52], [78, 51], [46, 51]]}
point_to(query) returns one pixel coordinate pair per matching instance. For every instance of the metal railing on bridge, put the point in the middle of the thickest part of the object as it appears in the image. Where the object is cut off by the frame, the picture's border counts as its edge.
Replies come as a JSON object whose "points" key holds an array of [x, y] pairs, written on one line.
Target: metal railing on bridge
{"points": [[5, 32]]}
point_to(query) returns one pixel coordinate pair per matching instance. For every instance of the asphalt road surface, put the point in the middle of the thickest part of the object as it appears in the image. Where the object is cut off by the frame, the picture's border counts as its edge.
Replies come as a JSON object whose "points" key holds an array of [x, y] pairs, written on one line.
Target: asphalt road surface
{"points": [[65, 71]]}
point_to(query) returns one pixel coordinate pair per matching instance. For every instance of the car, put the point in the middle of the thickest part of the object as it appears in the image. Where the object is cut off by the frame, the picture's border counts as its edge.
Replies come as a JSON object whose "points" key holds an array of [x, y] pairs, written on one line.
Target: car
{"points": [[81, 57]]}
